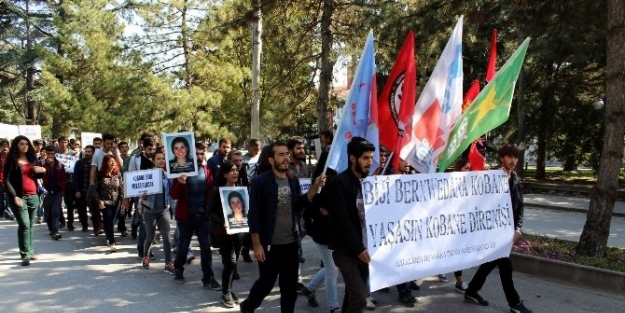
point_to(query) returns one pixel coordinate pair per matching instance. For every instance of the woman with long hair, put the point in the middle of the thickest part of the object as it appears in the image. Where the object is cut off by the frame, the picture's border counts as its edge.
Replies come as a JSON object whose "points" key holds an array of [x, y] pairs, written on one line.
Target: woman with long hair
{"points": [[262, 165], [182, 162], [155, 210], [108, 193], [230, 245], [21, 172], [316, 219], [238, 218]]}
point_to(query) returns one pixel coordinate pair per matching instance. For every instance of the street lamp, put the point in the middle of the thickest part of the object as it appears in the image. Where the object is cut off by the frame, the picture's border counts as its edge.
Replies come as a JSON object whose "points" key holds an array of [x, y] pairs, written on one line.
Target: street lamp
{"points": [[598, 105]]}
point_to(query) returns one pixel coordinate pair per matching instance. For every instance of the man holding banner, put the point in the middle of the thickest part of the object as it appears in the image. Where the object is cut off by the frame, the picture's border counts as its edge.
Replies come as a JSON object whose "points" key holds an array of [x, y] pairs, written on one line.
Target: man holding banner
{"points": [[347, 224], [508, 158]]}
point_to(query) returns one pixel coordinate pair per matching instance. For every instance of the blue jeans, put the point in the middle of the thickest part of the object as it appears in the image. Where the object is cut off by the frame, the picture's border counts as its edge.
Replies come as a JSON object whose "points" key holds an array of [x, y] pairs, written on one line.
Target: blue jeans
{"points": [[329, 273], [199, 224], [52, 209]]}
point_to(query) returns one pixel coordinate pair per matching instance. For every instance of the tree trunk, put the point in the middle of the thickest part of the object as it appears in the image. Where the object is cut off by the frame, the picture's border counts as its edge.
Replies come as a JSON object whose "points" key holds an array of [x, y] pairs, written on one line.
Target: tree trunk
{"points": [[541, 157], [569, 164], [324, 113], [257, 46], [594, 238], [31, 112]]}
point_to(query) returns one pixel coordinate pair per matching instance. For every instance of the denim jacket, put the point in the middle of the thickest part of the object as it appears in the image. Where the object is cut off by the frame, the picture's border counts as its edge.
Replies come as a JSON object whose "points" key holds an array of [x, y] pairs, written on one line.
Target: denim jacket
{"points": [[148, 202]]}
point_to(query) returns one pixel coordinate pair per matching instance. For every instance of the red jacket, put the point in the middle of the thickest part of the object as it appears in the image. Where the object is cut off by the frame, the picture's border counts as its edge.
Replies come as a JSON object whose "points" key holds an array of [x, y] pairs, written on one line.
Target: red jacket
{"points": [[180, 192], [61, 176]]}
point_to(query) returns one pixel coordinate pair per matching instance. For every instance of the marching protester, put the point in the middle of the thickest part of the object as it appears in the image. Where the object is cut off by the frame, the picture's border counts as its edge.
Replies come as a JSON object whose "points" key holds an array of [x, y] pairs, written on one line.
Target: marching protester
{"points": [[252, 154], [297, 164], [4, 207], [508, 158], [107, 192], [317, 225], [237, 158], [275, 206], [326, 138], [229, 244], [82, 170], [54, 181], [155, 211], [347, 225], [220, 156], [68, 194], [21, 171], [191, 194]]}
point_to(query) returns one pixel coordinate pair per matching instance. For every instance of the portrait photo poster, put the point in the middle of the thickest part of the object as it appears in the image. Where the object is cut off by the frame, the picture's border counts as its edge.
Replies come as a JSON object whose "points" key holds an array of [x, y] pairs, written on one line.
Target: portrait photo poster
{"points": [[235, 203], [180, 154]]}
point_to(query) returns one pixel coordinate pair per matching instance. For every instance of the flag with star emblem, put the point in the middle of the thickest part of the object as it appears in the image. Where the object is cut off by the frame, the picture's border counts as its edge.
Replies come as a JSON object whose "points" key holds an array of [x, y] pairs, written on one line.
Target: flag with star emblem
{"points": [[490, 109], [438, 108]]}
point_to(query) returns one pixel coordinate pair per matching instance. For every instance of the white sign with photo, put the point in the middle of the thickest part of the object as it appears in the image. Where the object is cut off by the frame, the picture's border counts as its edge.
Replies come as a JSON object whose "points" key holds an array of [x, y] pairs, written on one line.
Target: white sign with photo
{"points": [[33, 132], [304, 184], [86, 138], [8, 131], [68, 161], [144, 182], [235, 203], [426, 224], [180, 154]]}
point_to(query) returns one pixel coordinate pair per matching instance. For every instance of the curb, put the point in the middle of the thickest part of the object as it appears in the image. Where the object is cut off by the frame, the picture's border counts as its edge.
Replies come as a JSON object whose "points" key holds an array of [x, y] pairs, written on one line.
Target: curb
{"points": [[570, 273], [566, 209]]}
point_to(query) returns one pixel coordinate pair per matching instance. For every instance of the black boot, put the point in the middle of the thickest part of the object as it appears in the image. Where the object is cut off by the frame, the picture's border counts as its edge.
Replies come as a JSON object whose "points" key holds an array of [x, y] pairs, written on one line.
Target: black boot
{"points": [[179, 278]]}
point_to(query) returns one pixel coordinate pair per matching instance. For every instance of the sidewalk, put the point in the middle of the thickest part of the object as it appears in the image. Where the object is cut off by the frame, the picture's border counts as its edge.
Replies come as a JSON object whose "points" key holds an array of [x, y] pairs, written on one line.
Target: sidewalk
{"points": [[567, 203]]}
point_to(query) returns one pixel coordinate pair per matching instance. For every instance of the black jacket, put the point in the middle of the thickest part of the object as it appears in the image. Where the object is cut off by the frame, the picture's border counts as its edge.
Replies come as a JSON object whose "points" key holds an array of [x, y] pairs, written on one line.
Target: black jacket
{"points": [[318, 225], [345, 224], [516, 198], [13, 179]]}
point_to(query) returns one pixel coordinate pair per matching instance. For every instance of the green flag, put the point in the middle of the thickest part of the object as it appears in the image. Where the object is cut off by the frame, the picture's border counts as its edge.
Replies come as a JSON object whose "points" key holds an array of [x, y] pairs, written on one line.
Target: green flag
{"points": [[490, 109]]}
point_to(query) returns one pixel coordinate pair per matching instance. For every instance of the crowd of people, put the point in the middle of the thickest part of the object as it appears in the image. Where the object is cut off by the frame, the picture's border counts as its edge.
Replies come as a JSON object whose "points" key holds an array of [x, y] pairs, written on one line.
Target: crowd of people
{"points": [[36, 186]]}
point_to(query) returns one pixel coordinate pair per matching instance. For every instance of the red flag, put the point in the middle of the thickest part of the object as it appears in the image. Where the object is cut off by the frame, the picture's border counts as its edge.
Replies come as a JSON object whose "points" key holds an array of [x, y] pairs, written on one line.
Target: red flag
{"points": [[492, 58], [476, 159], [473, 91], [397, 101]]}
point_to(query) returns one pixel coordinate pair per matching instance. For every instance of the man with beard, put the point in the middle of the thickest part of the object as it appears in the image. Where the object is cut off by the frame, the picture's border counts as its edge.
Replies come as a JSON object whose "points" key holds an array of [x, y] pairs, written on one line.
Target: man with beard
{"points": [[82, 170], [347, 225], [251, 157], [297, 165], [275, 204], [508, 158], [214, 163]]}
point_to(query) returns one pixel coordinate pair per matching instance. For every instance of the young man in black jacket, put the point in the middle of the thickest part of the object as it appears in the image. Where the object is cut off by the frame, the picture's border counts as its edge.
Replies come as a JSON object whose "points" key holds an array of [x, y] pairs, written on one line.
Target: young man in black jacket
{"points": [[276, 203], [508, 158], [347, 221]]}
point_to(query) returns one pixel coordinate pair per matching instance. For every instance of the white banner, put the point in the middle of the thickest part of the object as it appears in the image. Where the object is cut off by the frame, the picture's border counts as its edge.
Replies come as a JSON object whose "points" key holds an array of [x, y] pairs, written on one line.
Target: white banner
{"points": [[427, 224], [33, 132], [304, 184], [86, 139], [68, 161], [143, 182], [8, 131]]}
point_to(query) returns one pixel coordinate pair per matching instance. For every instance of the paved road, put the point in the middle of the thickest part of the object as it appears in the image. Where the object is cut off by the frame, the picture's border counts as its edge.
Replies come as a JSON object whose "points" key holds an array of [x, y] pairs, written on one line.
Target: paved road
{"points": [[566, 202], [78, 274], [568, 225]]}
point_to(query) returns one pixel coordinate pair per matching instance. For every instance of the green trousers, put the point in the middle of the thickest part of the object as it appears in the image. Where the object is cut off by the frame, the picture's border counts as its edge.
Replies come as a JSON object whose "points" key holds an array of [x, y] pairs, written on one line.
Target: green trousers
{"points": [[25, 217]]}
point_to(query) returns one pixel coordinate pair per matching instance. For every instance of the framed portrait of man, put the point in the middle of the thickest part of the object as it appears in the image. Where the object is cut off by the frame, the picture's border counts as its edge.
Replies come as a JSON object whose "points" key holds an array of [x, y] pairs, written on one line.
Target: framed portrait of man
{"points": [[180, 154], [235, 204]]}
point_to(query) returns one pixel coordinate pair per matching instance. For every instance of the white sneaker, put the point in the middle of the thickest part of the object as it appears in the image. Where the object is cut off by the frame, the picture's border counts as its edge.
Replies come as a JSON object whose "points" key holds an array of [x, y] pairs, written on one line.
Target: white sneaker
{"points": [[113, 247], [461, 288], [370, 305]]}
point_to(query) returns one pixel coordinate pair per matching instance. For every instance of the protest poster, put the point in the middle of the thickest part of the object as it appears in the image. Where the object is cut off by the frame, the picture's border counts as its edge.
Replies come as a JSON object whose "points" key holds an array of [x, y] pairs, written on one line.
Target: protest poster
{"points": [[32, 132], [68, 161], [426, 224], [304, 184], [86, 138], [8, 131], [235, 205], [144, 182], [180, 154]]}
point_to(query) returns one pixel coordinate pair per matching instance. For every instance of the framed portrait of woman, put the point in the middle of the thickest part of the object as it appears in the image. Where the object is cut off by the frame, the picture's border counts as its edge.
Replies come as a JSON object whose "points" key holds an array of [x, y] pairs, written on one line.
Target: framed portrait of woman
{"points": [[180, 154], [235, 204]]}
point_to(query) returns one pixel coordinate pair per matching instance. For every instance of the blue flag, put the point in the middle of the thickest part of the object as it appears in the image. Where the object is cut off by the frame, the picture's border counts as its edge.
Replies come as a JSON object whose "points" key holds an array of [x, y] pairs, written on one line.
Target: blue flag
{"points": [[360, 114]]}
